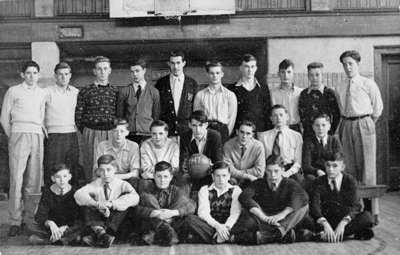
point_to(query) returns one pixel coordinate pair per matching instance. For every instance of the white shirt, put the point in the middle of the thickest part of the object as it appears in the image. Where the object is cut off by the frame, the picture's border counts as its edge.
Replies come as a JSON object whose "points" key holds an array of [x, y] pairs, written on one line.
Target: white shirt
{"points": [[142, 85], [338, 179], [201, 143], [176, 89], [290, 99]]}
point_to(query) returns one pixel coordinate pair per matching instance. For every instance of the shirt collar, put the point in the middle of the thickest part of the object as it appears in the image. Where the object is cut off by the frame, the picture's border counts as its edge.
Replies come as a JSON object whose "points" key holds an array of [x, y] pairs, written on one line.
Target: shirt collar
{"points": [[203, 139], [290, 89], [179, 77], [220, 89], [141, 83], [321, 89], [324, 139], [26, 86], [242, 83], [283, 129], [96, 84], [124, 147], [219, 192], [338, 179], [59, 88]]}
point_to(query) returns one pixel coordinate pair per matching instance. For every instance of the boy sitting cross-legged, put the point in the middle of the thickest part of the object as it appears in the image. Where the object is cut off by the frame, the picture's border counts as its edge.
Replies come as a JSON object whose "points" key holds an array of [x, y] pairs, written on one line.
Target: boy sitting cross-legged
{"points": [[105, 202], [58, 216]]}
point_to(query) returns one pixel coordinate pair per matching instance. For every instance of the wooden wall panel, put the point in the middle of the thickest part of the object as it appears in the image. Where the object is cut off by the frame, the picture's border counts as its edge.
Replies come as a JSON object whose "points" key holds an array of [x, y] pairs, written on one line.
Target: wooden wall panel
{"points": [[17, 8], [81, 7], [366, 4]]}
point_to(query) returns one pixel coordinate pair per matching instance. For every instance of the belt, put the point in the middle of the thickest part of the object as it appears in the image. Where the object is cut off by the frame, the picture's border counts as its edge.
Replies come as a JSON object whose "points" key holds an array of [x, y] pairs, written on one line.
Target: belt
{"points": [[356, 117]]}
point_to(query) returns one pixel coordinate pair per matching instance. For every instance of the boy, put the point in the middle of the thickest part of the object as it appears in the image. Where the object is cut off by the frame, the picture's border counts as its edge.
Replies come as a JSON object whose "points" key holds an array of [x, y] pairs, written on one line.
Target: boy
{"points": [[317, 99], [104, 203], [218, 103], [218, 209], [22, 118], [284, 142], [275, 206], [139, 103], [58, 216], [245, 155], [61, 144], [125, 152], [335, 205], [177, 91], [95, 112], [287, 94], [253, 97], [163, 208]]}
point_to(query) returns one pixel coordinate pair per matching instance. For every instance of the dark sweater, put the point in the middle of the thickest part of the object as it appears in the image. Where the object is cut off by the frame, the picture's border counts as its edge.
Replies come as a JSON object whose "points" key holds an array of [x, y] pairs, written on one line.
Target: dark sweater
{"points": [[288, 194], [220, 207]]}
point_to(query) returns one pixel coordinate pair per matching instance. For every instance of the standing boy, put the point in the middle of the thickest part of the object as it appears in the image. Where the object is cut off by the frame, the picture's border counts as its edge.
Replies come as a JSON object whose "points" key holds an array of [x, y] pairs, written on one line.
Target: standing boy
{"points": [[95, 112], [22, 118], [177, 92]]}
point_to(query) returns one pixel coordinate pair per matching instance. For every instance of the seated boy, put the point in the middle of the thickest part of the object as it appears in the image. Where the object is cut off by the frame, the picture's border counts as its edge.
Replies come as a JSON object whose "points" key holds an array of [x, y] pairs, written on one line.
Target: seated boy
{"points": [[245, 155], [218, 210], [163, 208], [105, 202], [281, 141], [335, 204], [125, 152], [58, 216], [275, 205]]}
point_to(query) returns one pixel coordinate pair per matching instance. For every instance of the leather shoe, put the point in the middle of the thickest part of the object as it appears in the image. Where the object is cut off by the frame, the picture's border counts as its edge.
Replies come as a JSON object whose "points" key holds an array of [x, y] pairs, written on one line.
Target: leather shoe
{"points": [[106, 240], [166, 235], [290, 237]]}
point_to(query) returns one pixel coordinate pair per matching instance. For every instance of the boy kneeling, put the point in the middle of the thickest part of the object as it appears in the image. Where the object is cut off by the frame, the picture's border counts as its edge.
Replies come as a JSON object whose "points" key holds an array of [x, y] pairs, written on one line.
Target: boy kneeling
{"points": [[335, 204], [105, 202]]}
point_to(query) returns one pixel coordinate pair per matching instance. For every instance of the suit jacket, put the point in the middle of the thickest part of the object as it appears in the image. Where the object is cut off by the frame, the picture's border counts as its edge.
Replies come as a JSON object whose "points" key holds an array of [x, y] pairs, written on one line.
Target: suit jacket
{"points": [[212, 148], [331, 205], [313, 153], [178, 123]]}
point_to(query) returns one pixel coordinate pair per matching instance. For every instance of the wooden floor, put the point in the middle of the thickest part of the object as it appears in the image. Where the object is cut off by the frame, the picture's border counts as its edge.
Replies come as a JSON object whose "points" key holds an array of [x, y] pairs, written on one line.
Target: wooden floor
{"points": [[386, 241]]}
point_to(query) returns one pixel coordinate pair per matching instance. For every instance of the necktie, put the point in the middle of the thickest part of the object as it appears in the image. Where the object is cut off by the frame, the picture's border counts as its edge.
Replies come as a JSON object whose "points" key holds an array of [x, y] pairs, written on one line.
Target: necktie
{"points": [[194, 147], [163, 199], [334, 186], [138, 91], [321, 142], [276, 150], [242, 150], [347, 109], [106, 188], [273, 186], [61, 192]]}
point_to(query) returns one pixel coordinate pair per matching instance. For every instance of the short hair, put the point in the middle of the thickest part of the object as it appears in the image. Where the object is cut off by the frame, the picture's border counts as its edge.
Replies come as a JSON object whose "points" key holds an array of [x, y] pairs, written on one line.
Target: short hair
{"points": [[314, 65], [105, 159], [333, 156], [219, 165], [278, 106], [141, 61], [285, 64], [162, 166], [213, 63], [101, 59], [322, 116], [247, 123], [177, 53], [248, 57], [58, 167], [350, 53], [62, 65], [28, 64], [159, 123], [200, 116], [275, 160], [120, 122]]}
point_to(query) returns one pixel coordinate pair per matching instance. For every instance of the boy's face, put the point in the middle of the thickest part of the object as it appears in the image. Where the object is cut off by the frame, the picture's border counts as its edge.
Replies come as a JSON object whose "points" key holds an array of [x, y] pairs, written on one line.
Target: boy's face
{"points": [[62, 178], [63, 77], [102, 71], [119, 133], [334, 168], [248, 69], [199, 129], [31, 75], [245, 133], [159, 135], [176, 65], [279, 117], [315, 77], [274, 173], [215, 75], [350, 66], [321, 127], [106, 172], [137, 73], [162, 179], [221, 177], [286, 75]]}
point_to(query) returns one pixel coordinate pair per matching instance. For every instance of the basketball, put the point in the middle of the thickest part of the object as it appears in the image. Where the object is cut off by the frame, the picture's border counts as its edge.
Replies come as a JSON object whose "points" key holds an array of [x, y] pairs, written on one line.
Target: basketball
{"points": [[199, 166]]}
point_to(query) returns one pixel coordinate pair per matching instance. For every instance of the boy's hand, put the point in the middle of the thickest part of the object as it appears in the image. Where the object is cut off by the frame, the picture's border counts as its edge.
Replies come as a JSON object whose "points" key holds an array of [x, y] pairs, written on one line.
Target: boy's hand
{"points": [[167, 214], [329, 234], [155, 214], [56, 232], [339, 231], [106, 212], [320, 172], [222, 233], [273, 220]]}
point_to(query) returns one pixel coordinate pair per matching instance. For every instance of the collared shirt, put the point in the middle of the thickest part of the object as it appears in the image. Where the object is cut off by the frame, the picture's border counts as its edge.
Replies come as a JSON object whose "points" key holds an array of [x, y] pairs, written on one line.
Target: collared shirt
{"points": [[219, 104], [290, 144], [320, 89], [249, 85], [127, 157], [23, 109], [176, 89], [338, 179], [204, 209], [151, 155], [200, 142], [60, 109], [120, 193], [323, 139], [252, 162], [365, 97], [290, 99], [142, 85]]}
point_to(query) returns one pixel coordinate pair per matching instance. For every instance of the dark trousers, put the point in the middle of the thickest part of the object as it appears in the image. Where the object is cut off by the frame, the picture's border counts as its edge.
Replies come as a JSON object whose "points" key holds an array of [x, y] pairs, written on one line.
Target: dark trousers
{"points": [[62, 148], [69, 235], [93, 218], [221, 128], [203, 232]]}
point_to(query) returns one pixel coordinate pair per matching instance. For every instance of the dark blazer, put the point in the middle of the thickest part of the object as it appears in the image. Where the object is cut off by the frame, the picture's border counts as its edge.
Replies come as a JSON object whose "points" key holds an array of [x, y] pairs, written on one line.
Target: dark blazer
{"points": [[178, 123], [313, 153], [212, 148], [331, 205]]}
